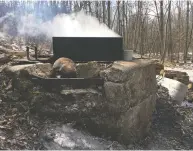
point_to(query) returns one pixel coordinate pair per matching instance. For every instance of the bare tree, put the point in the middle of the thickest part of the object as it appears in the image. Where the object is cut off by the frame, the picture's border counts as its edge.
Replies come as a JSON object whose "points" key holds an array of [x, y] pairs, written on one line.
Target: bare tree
{"points": [[104, 9], [96, 9], [170, 48], [109, 13], [179, 31], [162, 51], [154, 28], [187, 30], [118, 17], [123, 22]]}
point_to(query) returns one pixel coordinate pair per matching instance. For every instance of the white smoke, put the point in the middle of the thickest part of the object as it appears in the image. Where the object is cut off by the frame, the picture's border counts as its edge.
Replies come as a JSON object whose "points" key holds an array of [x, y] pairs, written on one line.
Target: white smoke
{"points": [[6, 16], [6, 23], [30, 25], [63, 25], [2, 35]]}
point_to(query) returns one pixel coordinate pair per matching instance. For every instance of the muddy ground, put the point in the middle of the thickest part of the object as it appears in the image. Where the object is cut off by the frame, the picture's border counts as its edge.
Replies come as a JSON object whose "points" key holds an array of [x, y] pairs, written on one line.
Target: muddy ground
{"points": [[172, 127]]}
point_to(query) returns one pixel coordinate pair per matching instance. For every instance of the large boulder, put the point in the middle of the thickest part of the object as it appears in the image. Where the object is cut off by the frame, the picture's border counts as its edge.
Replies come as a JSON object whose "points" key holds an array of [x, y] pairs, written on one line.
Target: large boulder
{"points": [[130, 91]]}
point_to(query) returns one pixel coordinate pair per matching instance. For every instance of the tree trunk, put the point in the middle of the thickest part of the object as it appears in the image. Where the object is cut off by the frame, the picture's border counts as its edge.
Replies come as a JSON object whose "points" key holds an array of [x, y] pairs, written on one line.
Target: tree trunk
{"points": [[170, 48], [126, 27], [96, 8], [187, 30], [89, 7], [118, 17], [162, 31], [104, 9], [109, 13], [123, 23], [179, 31]]}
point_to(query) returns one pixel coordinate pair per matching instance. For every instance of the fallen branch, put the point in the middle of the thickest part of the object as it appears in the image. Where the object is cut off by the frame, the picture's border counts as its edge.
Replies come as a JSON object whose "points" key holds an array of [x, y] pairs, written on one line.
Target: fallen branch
{"points": [[5, 50], [12, 52]]}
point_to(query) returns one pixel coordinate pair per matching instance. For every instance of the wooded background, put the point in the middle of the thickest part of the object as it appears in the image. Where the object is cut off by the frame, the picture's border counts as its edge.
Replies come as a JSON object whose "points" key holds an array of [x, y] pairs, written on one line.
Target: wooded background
{"points": [[157, 28]]}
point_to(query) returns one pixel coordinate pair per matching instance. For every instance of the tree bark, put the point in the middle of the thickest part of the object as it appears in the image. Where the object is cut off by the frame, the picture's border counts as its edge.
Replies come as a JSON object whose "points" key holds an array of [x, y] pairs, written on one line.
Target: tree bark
{"points": [[109, 13], [96, 8], [187, 30], [179, 31], [170, 48], [104, 9]]}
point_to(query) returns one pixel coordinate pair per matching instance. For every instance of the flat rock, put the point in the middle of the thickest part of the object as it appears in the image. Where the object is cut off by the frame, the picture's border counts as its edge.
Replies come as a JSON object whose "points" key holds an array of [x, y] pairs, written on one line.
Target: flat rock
{"points": [[120, 71], [23, 61], [38, 69], [78, 91], [88, 70]]}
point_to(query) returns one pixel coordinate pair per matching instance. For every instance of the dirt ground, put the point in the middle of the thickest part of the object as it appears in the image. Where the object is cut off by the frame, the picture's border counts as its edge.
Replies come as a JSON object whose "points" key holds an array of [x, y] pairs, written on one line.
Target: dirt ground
{"points": [[168, 127], [20, 129]]}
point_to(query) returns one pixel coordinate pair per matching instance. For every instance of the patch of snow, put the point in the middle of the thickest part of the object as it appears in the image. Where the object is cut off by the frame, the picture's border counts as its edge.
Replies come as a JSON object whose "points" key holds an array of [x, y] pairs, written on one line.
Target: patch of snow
{"points": [[177, 90]]}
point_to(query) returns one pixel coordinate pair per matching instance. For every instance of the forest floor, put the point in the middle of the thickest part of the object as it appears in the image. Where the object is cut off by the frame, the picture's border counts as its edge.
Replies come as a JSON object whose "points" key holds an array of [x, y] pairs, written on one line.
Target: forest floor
{"points": [[171, 128]]}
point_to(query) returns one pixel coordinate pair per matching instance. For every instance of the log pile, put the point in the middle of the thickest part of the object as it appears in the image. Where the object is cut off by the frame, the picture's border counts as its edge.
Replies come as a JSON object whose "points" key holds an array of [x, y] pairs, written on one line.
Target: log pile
{"points": [[177, 75]]}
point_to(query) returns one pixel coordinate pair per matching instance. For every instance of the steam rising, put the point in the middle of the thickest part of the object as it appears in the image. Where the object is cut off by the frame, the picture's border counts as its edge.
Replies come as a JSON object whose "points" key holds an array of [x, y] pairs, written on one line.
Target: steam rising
{"points": [[63, 25]]}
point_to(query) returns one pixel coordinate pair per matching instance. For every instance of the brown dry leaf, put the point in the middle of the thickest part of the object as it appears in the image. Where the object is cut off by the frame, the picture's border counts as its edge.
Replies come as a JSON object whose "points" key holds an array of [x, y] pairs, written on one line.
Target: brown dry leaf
{"points": [[162, 72], [189, 86]]}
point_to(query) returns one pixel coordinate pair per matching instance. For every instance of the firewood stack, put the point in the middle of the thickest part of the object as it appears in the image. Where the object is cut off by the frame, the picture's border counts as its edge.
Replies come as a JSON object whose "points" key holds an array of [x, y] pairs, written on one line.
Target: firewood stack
{"points": [[177, 75]]}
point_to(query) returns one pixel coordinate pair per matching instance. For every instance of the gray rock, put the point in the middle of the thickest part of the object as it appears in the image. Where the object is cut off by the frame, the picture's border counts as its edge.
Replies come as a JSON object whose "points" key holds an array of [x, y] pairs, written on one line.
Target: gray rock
{"points": [[78, 91], [130, 90], [136, 121], [38, 69], [88, 70], [122, 71], [74, 104]]}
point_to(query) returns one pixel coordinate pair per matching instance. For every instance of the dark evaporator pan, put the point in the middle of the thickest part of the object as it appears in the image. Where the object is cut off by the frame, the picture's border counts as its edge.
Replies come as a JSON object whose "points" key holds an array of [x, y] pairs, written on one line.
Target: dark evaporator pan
{"points": [[88, 48]]}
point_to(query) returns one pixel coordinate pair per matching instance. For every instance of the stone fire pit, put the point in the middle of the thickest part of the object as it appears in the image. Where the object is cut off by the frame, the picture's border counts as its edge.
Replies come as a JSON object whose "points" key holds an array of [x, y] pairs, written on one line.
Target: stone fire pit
{"points": [[121, 109]]}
